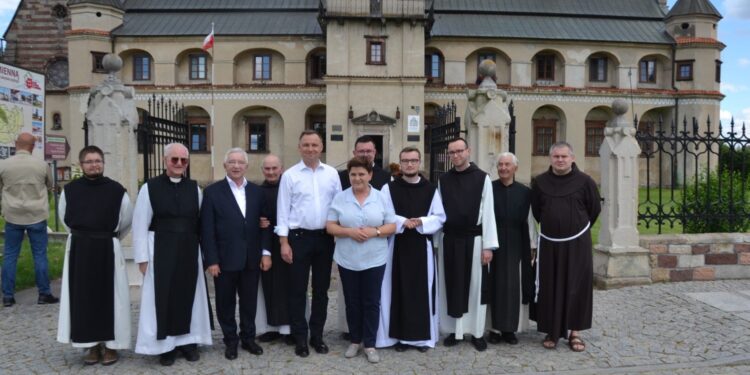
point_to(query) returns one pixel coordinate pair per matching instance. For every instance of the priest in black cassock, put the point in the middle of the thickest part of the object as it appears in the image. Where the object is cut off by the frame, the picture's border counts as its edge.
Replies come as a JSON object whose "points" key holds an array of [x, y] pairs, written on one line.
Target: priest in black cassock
{"points": [[364, 147], [272, 316], [174, 313], [95, 299], [566, 203], [511, 274], [467, 245], [408, 311]]}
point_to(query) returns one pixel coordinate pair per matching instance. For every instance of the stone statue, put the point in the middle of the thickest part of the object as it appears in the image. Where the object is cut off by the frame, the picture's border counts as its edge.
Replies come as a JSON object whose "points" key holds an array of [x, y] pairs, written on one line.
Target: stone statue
{"points": [[112, 119], [487, 120], [618, 258]]}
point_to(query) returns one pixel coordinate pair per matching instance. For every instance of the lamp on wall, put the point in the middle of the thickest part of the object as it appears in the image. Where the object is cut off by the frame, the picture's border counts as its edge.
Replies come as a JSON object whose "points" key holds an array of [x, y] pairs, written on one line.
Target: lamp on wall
{"points": [[351, 113], [398, 113]]}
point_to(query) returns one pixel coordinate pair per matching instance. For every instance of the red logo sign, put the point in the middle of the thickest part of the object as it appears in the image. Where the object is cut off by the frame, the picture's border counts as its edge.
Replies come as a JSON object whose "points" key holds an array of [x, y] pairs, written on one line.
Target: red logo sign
{"points": [[30, 83]]}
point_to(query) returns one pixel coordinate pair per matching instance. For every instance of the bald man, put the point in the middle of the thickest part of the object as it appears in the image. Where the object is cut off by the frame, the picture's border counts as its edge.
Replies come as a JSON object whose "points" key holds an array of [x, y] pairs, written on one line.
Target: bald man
{"points": [[272, 316], [25, 181]]}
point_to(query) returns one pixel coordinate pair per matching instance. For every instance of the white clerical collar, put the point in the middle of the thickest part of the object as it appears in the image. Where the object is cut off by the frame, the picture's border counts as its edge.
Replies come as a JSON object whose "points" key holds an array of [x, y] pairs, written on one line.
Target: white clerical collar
{"points": [[175, 179]]}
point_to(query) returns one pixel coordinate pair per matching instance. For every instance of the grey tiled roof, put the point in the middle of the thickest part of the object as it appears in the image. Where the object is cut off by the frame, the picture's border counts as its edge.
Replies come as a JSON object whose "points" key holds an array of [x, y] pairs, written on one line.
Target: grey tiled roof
{"points": [[226, 23], [612, 8], [559, 28], [638, 21], [112, 3], [688, 7]]}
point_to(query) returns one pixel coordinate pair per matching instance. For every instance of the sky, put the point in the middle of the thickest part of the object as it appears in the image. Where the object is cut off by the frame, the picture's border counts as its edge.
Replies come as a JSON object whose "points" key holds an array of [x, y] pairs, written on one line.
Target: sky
{"points": [[733, 28]]}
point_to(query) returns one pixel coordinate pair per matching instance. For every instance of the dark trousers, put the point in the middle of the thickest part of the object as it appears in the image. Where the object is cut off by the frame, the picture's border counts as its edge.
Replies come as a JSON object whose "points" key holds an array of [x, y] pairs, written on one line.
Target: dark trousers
{"points": [[229, 285], [362, 297], [310, 249]]}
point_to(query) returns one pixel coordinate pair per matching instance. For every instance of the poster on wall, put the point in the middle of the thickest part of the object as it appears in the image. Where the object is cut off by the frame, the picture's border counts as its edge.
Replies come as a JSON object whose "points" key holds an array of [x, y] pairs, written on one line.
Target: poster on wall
{"points": [[21, 108]]}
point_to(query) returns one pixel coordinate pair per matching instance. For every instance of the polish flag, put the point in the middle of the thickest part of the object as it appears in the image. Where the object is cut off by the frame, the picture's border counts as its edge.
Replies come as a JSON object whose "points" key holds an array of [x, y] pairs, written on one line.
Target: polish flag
{"points": [[209, 41]]}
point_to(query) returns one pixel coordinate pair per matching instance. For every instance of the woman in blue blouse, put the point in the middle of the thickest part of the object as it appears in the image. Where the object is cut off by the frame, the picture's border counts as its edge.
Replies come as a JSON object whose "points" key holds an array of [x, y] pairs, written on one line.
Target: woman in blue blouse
{"points": [[361, 221]]}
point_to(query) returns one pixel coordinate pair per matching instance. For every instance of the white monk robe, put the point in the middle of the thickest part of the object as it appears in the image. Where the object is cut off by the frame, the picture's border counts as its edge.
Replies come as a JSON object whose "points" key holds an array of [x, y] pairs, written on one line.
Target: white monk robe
{"points": [[122, 288], [431, 224], [143, 251], [472, 322]]}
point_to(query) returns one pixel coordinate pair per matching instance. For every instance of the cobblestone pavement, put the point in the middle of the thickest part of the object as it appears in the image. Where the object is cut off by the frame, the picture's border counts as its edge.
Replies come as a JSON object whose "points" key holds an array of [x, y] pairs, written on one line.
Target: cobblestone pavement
{"points": [[657, 329]]}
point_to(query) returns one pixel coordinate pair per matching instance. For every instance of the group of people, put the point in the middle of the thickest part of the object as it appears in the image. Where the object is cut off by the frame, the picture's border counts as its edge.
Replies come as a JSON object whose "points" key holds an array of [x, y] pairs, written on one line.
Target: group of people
{"points": [[415, 260]]}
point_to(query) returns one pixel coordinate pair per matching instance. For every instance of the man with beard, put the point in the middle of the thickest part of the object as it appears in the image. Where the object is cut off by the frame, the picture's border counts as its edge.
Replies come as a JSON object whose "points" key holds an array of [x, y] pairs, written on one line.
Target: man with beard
{"points": [[511, 275], [174, 312], [272, 316], [566, 203], [364, 147], [468, 241], [408, 314], [95, 298]]}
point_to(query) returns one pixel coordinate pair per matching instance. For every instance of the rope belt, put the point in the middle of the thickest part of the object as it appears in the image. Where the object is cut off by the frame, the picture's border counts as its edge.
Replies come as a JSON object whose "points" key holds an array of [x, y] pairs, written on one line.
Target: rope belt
{"points": [[551, 239]]}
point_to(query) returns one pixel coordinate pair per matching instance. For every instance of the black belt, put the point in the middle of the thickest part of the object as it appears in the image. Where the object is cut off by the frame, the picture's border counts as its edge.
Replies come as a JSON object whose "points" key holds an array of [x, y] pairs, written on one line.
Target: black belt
{"points": [[175, 225], [474, 230], [90, 234], [309, 232]]}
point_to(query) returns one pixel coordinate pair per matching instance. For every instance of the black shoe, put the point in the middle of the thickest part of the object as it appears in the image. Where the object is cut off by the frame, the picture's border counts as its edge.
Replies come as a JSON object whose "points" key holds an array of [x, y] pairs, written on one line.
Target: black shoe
{"points": [[190, 352], [401, 347], [301, 350], [289, 340], [479, 344], [230, 352], [450, 340], [346, 336], [269, 336], [46, 299], [9, 301], [252, 347], [319, 346], [423, 349], [495, 338], [167, 359], [510, 338]]}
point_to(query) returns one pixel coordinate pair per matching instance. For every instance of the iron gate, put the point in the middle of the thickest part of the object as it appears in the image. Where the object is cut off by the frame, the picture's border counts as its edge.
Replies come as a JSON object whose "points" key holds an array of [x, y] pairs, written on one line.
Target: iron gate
{"points": [[447, 128], [164, 123]]}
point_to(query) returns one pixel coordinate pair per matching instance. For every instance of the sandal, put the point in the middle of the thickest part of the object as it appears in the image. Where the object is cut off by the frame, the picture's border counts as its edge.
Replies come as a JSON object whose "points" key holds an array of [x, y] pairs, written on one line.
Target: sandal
{"points": [[576, 344], [548, 343]]}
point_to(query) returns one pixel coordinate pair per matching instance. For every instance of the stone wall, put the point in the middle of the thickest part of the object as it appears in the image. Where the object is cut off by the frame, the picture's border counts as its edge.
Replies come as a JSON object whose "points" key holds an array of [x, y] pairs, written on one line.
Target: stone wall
{"points": [[687, 257], [37, 34]]}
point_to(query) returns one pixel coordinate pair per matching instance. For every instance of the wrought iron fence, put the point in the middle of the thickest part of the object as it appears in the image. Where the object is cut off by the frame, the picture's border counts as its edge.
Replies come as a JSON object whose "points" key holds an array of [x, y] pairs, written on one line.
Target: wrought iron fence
{"points": [[164, 123], [447, 128], [694, 177]]}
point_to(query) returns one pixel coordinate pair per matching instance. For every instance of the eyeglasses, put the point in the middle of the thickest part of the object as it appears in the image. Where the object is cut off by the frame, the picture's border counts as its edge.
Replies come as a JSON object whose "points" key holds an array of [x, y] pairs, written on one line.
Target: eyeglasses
{"points": [[236, 162], [409, 161], [176, 160], [92, 162], [456, 152]]}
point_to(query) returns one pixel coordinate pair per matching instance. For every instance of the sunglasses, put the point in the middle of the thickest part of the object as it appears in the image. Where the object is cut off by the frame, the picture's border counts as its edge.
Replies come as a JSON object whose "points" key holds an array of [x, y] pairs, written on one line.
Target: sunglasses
{"points": [[176, 160]]}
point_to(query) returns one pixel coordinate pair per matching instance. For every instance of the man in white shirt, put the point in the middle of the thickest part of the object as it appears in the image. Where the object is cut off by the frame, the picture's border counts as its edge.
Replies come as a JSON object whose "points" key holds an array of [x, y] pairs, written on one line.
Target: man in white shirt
{"points": [[305, 194]]}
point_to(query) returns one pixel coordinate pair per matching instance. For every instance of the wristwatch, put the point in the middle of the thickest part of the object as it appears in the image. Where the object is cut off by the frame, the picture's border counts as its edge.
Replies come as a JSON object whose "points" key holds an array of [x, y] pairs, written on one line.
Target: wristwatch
{"points": [[377, 231]]}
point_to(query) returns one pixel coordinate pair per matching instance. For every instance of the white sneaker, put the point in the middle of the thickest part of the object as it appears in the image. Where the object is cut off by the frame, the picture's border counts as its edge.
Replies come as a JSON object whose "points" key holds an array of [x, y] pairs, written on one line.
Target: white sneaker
{"points": [[352, 351], [372, 355]]}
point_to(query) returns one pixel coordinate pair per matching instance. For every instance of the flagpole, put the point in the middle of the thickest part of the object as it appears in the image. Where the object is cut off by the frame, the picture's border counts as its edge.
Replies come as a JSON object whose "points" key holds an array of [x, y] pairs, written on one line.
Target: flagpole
{"points": [[213, 118]]}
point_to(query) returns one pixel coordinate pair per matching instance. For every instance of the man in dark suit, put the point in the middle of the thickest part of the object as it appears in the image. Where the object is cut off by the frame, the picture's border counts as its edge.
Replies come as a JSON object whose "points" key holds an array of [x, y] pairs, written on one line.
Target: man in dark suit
{"points": [[364, 147], [235, 249]]}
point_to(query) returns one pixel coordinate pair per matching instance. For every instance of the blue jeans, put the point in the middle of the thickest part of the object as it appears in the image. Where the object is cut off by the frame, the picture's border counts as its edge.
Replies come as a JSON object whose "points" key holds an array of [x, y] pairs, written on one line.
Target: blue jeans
{"points": [[38, 240]]}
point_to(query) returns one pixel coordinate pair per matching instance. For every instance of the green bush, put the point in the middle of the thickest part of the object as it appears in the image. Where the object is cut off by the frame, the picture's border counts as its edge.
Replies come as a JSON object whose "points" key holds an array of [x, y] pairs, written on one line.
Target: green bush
{"points": [[737, 160], [707, 207]]}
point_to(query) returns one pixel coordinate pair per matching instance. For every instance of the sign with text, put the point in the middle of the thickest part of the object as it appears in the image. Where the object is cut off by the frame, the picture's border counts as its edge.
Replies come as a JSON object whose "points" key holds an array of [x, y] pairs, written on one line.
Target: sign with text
{"points": [[56, 148], [21, 108]]}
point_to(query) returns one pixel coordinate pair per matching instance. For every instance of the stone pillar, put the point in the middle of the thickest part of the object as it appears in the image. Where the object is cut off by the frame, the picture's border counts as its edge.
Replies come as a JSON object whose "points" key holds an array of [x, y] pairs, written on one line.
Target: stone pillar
{"points": [[487, 120], [618, 258], [112, 119]]}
